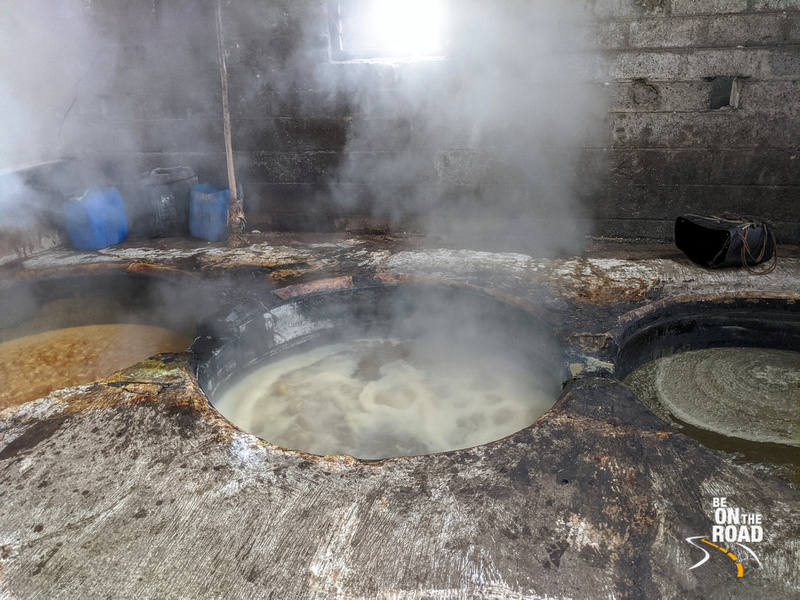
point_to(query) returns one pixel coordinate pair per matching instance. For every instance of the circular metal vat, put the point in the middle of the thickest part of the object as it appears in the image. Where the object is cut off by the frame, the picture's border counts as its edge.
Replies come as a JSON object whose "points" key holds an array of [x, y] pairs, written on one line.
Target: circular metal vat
{"points": [[375, 369], [59, 332], [725, 370]]}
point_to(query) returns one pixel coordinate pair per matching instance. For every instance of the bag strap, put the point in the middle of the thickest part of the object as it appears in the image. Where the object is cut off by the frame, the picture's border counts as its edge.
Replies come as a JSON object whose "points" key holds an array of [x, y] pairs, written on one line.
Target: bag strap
{"points": [[746, 252]]}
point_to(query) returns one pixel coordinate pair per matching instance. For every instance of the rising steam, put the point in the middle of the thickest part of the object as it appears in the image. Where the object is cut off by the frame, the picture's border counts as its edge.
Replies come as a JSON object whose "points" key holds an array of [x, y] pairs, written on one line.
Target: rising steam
{"points": [[52, 57], [489, 141], [485, 143]]}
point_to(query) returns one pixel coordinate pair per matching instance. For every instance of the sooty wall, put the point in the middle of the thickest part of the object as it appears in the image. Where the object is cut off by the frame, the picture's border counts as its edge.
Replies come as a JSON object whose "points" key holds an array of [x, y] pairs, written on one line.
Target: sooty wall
{"points": [[665, 107], [682, 140]]}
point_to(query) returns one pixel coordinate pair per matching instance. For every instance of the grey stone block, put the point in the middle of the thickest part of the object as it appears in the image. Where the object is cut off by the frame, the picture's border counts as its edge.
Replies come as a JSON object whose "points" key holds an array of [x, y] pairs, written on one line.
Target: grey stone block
{"points": [[721, 128], [667, 96], [615, 8], [380, 134], [661, 166], [629, 8], [611, 35], [263, 52], [773, 5], [749, 30], [287, 167], [288, 134], [707, 7], [684, 96], [176, 135], [757, 166], [667, 33], [625, 200], [785, 62], [647, 65], [253, 20], [741, 62], [251, 97], [781, 95], [644, 94], [794, 27]]}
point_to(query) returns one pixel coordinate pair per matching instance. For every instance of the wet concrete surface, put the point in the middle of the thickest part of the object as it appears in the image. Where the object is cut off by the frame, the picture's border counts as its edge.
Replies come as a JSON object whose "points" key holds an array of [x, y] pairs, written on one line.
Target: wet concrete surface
{"points": [[135, 487]]}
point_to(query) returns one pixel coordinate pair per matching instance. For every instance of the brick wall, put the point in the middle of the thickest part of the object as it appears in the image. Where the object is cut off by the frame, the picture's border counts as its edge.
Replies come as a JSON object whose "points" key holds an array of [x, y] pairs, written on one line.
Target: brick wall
{"points": [[670, 152], [702, 116]]}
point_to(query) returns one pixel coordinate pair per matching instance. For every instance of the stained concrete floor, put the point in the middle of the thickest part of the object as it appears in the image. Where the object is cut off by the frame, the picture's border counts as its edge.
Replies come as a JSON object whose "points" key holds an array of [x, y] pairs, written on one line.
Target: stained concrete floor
{"points": [[135, 487]]}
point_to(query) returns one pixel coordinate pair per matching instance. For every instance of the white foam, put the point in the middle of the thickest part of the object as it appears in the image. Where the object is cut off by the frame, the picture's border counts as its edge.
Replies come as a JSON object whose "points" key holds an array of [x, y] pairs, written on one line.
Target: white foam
{"points": [[377, 398], [746, 393]]}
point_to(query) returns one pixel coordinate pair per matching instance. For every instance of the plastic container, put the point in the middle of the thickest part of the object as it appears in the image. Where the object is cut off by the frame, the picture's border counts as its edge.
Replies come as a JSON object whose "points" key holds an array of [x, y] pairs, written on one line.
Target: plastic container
{"points": [[96, 219], [166, 194], [208, 218]]}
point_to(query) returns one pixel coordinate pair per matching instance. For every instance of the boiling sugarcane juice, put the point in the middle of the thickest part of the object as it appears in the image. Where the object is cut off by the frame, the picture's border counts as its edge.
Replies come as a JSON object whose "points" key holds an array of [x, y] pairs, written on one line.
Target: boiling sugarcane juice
{"points": [[35, 365], [380, 398]]}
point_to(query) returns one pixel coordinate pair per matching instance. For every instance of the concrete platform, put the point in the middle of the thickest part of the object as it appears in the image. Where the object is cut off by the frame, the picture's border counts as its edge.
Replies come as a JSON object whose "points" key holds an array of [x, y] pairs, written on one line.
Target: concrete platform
{"points": [[135, 487]]}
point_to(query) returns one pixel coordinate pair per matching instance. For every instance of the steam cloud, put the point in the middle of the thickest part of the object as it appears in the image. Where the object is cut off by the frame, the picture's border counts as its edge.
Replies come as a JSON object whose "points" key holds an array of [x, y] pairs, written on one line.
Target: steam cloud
{"points": [[485, 144], [52, 57], [489, 142], [53, 60]]}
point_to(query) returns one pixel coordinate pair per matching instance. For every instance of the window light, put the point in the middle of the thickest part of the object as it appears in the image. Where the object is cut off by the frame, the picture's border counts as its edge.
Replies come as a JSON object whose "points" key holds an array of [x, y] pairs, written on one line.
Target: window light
{"points": [[387, 28]]}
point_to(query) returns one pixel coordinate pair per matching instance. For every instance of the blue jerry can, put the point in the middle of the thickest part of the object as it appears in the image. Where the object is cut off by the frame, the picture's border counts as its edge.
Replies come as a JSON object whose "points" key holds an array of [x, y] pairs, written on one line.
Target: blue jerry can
{"points": [[96, 219], [208, 212]]}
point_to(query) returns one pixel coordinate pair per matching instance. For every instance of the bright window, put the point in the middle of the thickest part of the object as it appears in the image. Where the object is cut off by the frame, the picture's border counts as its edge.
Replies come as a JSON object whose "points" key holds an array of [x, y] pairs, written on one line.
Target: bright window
{"points": [[387, 28]]}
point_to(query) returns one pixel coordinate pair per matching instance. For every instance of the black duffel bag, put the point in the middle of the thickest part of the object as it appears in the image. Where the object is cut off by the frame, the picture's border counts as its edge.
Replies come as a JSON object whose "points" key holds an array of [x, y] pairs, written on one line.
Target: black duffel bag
{"points": [[729, 241]]}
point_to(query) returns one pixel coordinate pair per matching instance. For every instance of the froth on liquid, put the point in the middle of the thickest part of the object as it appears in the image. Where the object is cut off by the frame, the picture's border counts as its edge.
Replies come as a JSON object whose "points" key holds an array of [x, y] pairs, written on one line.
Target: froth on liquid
{"points": [[748, 393], [376, 398], [35, 365]]}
